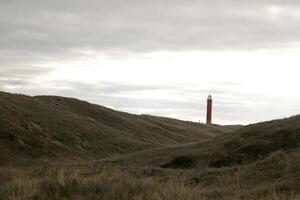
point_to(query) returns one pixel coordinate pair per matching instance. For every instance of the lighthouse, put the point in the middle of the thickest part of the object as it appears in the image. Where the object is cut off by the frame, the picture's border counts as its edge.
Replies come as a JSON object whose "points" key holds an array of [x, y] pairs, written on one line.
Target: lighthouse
{"points": [[209, 110]]}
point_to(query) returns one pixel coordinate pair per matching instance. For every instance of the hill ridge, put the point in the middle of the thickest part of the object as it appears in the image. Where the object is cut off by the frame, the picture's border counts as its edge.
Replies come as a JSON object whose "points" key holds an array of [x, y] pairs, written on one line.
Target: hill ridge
{"points": [[54, 126]]}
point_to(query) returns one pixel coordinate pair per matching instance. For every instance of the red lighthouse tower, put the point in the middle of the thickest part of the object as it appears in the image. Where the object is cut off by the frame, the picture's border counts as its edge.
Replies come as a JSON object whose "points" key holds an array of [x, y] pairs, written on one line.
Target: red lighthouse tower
{"points": [[209, 110]]}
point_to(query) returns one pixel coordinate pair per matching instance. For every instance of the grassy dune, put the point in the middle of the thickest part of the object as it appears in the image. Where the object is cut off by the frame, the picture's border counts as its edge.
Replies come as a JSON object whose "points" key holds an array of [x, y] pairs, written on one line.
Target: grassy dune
{"points": [[61, 148], [115, 184], [56, 128]]}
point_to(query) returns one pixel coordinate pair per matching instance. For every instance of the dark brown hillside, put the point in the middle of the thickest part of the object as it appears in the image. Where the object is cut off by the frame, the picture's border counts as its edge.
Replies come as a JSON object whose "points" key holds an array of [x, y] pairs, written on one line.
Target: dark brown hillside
{"points": [[115, 153], [243, 146], [56, 127], [262, 157]]}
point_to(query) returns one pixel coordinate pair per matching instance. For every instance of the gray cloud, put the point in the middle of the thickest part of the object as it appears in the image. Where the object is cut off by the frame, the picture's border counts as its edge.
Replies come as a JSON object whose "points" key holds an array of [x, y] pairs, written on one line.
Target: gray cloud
{"points": [[230, 106], [55, 27], [34, 32]]}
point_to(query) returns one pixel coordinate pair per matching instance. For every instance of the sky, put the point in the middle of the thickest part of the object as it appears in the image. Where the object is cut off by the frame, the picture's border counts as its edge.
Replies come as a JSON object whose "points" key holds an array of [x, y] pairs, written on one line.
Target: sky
{"points": [[157, 57]]}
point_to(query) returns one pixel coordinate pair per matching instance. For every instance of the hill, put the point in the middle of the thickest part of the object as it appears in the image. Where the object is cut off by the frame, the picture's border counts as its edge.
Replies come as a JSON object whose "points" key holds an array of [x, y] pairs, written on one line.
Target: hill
{"points": [[51, 127], [62, 148], [243, 146], [264, 158]]}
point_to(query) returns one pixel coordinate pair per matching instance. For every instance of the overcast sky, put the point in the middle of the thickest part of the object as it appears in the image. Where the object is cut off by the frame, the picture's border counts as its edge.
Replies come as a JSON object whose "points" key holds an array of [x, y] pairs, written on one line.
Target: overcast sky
{"points": [[158, 57]]}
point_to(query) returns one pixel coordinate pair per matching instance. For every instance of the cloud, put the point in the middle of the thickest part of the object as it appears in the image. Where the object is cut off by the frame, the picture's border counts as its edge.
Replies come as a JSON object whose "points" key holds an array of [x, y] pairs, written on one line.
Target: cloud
{"points": [[58, 27], [49, 47], [185, 102]]}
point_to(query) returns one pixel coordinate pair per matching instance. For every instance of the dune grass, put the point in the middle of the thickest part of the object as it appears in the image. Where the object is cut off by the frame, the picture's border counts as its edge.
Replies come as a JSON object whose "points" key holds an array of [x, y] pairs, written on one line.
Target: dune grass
{"points": [[114, 184]]}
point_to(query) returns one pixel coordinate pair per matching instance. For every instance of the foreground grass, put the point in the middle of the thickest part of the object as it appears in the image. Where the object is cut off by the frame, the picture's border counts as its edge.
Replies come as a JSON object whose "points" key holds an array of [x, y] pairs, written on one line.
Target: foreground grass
{"points": [[109, 185], [115, 184]]}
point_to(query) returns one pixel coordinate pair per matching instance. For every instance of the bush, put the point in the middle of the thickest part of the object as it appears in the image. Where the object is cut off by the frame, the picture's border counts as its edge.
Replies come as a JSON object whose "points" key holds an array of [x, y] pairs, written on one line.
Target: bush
{"points": [[181, 162]]}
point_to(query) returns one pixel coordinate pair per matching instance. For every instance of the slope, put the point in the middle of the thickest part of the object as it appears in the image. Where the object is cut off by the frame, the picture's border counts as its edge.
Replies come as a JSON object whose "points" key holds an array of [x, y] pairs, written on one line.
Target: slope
{"points": [[51, 127], [254, 161], [243, 146]]}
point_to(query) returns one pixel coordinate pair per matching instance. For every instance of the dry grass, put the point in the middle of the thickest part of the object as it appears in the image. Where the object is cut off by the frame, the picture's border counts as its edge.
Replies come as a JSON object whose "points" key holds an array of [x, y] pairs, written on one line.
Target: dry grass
{"points": [[53, 145], [60, 183], [49, 127], [115, 184]]}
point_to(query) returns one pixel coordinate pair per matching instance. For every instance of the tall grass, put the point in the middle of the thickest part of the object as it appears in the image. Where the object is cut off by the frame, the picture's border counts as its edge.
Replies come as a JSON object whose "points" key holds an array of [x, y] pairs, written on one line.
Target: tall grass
{"points": [[114, 184], [61, 183]]}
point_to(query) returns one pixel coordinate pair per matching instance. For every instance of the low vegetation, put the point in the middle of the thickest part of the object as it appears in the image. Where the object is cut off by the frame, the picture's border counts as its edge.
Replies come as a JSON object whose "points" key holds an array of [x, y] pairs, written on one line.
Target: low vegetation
{"points": [[53, 128], [54, 148], [115, 184]]}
